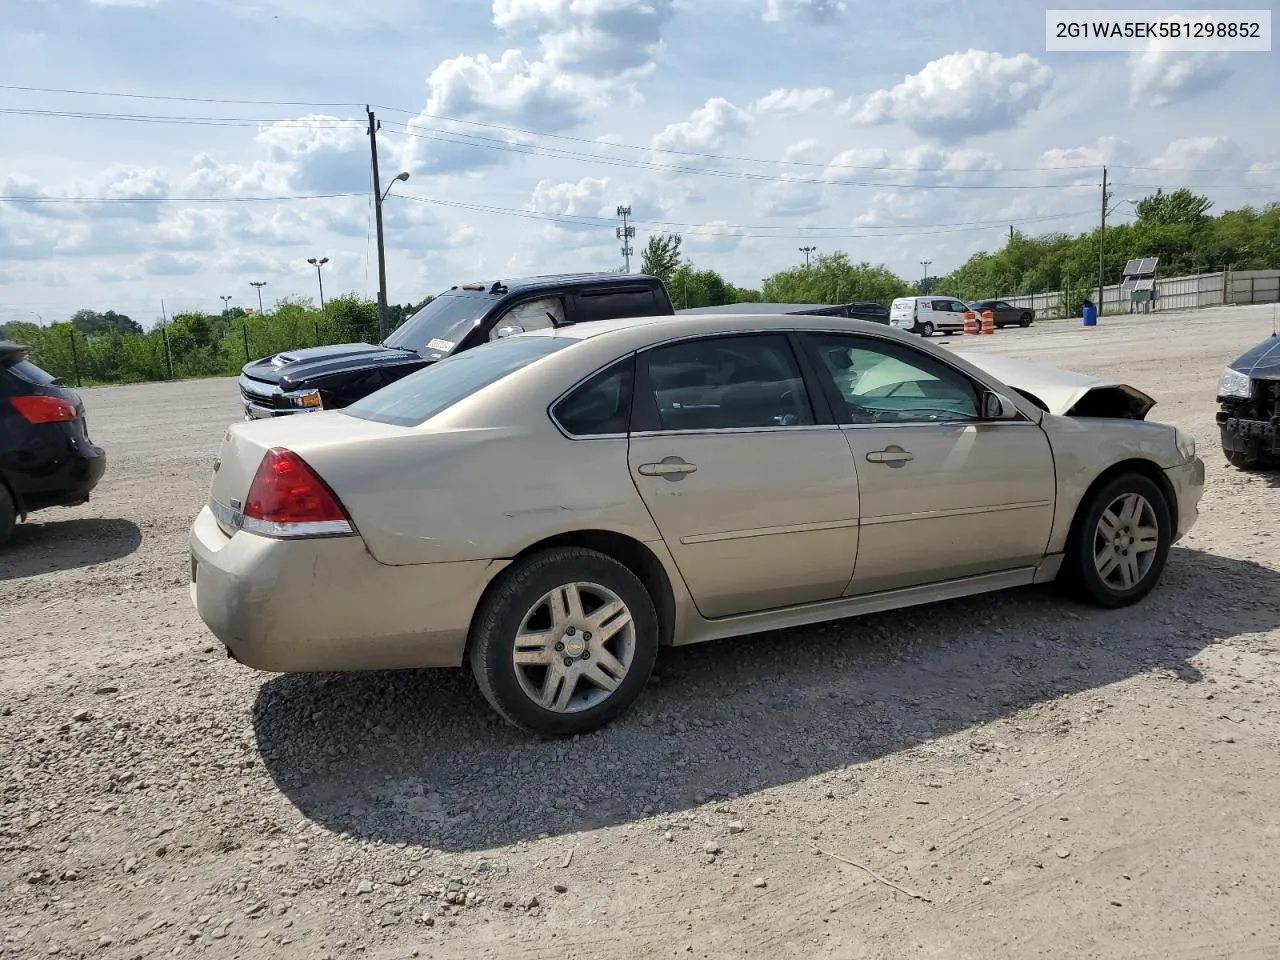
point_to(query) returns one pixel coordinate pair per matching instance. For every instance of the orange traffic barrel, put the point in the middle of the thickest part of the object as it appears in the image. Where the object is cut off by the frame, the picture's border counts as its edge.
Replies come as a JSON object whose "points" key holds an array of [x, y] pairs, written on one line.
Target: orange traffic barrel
{"points": [[988, 322], [970, 322]]}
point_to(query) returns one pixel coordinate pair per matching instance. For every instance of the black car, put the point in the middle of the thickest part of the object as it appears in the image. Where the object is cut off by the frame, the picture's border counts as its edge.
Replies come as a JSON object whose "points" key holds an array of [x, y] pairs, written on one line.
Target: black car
{"points": [[1249, 406], [46, 457], [458, 319], [1004, 314]]}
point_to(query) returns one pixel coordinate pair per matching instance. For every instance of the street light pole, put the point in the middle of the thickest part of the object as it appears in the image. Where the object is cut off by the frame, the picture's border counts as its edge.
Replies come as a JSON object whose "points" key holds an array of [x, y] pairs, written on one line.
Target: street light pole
{"points": [[226, 303], [806, 251], [318, 264], [924, 283], [258, 284], [378, 197]]}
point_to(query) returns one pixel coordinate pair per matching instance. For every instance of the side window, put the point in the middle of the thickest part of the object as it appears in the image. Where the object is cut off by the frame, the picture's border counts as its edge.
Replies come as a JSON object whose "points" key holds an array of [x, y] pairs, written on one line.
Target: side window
{"points": [[943, 306], [613, 304], [530, 315], [958, 307], [885, 383], [725, 383], [601, 406], [1001, 305]]}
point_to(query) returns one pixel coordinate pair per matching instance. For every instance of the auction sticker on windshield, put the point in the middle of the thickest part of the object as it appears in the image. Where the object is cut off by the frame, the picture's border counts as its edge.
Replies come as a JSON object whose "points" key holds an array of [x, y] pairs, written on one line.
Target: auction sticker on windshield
{"points": [[1236, 31], [442, 345]]}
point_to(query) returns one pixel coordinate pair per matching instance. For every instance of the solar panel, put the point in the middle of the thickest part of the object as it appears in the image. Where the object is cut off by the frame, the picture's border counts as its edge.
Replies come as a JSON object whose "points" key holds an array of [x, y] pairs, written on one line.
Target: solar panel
{"points": [[1148, 284], [1132, 267], [1127, 285], [1149, 266]]}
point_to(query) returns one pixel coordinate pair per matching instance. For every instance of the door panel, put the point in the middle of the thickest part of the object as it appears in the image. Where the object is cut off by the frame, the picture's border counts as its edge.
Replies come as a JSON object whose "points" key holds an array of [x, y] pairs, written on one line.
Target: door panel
{"points": [[942, 492], [974, 498], [767, 519], [757, 501]]}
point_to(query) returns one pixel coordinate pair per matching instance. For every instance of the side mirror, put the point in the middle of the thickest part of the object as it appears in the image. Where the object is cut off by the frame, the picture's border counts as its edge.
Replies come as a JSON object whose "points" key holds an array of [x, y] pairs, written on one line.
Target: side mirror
{"points": [[507, 330], [996, 406]]}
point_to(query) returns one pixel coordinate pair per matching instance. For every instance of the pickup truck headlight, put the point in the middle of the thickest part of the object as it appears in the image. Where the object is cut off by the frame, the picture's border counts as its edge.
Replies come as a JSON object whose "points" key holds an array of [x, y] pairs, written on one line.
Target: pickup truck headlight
{"points": [[1185, 443], [1233, 383], [306, 399]]}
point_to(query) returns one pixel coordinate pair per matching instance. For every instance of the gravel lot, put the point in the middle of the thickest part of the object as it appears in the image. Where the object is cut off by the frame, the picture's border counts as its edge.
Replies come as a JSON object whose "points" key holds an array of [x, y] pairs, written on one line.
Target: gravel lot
{"points": [[1008, 776]]}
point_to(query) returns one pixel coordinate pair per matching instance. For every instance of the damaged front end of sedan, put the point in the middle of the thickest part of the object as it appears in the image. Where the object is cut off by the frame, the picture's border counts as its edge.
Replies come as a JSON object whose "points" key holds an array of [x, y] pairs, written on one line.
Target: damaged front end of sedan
{"points": [[1249, 406]]}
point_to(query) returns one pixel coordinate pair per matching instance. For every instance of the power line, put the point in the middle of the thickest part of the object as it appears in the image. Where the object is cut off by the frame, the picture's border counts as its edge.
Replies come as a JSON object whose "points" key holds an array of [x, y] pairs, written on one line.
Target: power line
{"points": [[156, 96], [708, 230], [301, 196]]}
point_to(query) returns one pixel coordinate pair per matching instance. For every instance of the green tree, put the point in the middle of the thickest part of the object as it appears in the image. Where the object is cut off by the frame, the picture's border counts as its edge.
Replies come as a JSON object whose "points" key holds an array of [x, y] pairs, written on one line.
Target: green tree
{"points": [[833, 279], [91, 323], [1180, 206], [661, 256]]}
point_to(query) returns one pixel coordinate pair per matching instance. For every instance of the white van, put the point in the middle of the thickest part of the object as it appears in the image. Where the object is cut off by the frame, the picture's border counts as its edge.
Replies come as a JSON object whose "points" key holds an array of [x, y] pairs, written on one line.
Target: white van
{"points": [[928, 315]]}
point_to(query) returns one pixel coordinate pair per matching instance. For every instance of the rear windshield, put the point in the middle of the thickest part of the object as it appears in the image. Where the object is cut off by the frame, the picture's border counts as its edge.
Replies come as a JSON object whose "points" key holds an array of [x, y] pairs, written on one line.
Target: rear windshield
{"points": [[432, 390], [28, 371]]}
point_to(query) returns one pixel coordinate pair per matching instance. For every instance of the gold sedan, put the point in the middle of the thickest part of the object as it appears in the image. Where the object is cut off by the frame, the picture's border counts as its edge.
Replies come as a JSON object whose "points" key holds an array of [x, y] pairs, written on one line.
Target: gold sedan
{"points": [[554, 506]]}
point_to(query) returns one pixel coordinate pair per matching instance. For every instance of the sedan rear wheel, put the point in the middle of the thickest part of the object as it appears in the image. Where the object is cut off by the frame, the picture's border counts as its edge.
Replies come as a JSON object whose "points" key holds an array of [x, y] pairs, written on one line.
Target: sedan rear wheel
{"points": [[564, 642], [1025, 320], [1122, 542]]}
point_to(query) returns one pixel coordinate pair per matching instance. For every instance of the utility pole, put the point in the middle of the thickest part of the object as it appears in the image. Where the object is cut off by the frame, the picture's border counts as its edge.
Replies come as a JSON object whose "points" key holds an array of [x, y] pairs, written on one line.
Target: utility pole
{"points": [[259, 284], [806, 251], [1011, 233], [1102, 236], [625, 233], [318, 264], [164, 334], [377, 214], [924, 282]]}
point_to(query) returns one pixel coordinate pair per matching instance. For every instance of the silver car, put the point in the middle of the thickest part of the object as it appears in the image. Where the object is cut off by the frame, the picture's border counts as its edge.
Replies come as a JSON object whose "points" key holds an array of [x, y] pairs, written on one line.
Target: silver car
{"points": [[554, 507]]}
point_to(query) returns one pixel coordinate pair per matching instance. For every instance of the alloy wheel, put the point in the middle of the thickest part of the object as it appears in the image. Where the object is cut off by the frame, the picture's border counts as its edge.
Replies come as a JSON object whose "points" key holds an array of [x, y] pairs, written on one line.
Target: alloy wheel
{"points": [[574, 647], [1125, 542]]}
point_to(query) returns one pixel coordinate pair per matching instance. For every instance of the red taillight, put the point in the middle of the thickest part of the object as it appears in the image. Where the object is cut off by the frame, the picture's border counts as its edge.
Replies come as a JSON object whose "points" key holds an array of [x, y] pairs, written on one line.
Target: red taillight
{"points": [[288, 499], [44, 409]]}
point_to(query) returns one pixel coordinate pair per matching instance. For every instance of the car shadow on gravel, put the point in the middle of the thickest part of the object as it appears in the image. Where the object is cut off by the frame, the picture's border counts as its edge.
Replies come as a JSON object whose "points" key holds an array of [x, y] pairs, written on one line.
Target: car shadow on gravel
{"points": [[417, 757], [42, 545]]}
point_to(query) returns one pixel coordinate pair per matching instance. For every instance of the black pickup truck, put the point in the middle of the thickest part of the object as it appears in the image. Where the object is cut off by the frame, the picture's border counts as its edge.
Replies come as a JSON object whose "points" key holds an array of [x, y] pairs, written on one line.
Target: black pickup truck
{"points": [[326, 378]]}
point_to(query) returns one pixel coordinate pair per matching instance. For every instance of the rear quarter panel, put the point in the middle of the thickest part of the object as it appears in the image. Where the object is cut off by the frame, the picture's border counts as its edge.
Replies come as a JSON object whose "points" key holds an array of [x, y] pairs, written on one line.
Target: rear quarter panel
{"points": [[1085, 448]]}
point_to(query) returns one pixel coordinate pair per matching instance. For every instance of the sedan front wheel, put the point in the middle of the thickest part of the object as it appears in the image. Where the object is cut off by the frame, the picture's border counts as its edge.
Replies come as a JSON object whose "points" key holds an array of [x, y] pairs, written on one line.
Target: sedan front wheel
{"points": [[1121, 543], [565, 641]]}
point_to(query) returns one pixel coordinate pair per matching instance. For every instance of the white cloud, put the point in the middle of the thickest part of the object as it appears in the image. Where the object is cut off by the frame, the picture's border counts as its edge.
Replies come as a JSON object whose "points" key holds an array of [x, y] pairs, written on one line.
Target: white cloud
{"points": [[1159, 77], [817, 12], [533, 94], [170, 265], [124, 3], [618, 39], [795, 100], [582, 198], [962, 95], [1213, 154], [708, 128]]}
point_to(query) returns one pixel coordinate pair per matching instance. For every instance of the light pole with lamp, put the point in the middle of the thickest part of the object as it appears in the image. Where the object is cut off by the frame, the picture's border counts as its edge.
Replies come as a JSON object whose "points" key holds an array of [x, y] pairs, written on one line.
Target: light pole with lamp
{"points": [[258, 285], [226, 303], [318, 264], [382, 251], [924, 282]]}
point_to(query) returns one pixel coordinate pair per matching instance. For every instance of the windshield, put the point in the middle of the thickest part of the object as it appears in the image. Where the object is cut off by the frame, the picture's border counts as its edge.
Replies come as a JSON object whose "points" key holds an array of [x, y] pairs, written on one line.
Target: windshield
{"points": [[432, 390], [440, 325]]}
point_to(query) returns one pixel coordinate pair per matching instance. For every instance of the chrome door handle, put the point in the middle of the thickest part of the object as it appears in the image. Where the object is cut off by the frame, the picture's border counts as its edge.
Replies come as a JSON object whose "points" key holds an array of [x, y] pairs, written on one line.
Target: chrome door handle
{"points": [[673, 468], [893, 456]]}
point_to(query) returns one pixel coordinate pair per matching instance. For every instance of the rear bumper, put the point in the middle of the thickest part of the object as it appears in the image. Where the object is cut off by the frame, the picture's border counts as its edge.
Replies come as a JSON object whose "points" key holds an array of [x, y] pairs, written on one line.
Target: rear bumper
{"points": [[1187, 480], [56, 469], [326, 604]]}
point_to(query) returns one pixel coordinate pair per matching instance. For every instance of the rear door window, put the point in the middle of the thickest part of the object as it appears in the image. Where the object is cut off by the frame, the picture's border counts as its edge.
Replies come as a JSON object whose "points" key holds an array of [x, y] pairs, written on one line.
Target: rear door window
{"points": [[601, 406]]}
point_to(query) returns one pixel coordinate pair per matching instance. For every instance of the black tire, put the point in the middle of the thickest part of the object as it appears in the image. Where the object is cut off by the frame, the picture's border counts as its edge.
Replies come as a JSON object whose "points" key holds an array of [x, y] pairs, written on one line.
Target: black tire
{"points": [[503, 610], [926, 329], [1080, 571], [8, 515], [1025, 320]]}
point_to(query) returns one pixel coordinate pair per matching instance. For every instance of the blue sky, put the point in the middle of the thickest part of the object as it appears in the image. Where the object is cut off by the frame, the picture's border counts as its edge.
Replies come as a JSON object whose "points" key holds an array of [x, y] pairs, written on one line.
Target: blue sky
{"points": [[898, 132]]}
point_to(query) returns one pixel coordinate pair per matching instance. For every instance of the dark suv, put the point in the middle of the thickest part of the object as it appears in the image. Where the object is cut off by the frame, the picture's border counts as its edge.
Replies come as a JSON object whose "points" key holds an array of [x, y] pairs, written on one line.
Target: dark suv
{"points": [[462, 317], [46, 457]]}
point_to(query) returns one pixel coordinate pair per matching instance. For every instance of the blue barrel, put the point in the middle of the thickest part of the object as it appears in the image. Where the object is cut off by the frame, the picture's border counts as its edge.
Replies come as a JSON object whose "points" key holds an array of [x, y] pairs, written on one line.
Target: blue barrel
{"points": [[1090, 314]]}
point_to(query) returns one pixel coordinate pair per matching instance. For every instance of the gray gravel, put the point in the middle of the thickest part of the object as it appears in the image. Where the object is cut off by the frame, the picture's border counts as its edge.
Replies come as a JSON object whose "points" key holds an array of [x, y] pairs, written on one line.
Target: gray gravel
{"points": [[1024, 763]]}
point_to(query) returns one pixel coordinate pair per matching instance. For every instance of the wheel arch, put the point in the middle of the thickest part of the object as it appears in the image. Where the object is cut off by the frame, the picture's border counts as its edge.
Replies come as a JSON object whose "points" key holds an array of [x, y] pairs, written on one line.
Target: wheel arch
{"points": [[631, 553], [1138, 465]]}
